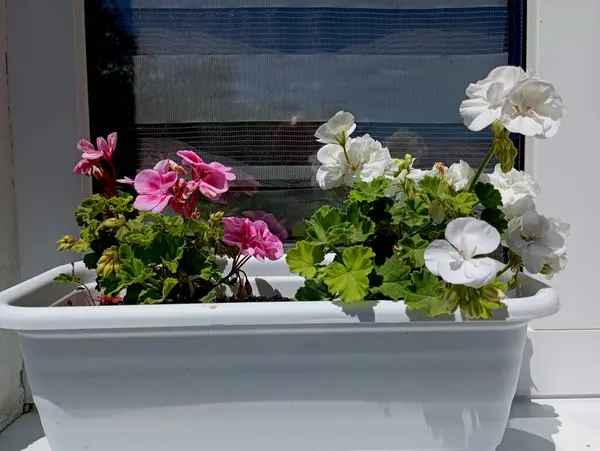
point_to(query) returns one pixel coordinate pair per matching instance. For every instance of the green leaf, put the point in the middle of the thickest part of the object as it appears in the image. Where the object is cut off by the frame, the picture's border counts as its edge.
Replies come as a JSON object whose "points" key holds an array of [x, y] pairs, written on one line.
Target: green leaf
{"points": [[199, 265], [369, 191], [130, 226], [327, 227], [81, 246], [313, 290], [209, 297], [361, 226], [416, 213], [495, 218], [412, 249], [125, 252], [121, 204], [133, 270], [426, 292], [142, 237], [304, 258], [488, 196], [437, 211], [192, 226], [68, 279], [350, 279], [172, 225], [90, 208], [463, 203], [154, 296], [396, 278], [91, 260], [434, 186]]}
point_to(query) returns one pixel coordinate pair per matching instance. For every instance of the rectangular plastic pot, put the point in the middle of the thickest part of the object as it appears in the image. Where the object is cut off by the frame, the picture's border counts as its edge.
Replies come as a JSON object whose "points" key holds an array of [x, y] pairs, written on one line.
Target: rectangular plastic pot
{"points": [[268, 377]]}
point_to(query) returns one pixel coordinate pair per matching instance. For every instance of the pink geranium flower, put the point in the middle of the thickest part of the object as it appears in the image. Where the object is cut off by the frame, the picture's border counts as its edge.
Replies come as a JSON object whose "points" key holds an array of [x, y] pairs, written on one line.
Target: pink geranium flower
{"points": [[271, 246], [107, 146], [276, 227], [252, 238], [153, 189], [88, 151], [84, 167], [210, 179]]}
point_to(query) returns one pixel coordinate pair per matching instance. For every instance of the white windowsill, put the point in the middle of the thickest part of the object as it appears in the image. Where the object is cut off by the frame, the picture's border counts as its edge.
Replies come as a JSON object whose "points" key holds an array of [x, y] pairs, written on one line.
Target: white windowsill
{"points": [[538, 425]]}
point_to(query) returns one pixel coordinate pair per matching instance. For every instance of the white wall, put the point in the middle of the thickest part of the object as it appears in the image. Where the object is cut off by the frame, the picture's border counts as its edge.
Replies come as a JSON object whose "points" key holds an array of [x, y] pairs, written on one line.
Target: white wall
{"points": [[11, 390]]}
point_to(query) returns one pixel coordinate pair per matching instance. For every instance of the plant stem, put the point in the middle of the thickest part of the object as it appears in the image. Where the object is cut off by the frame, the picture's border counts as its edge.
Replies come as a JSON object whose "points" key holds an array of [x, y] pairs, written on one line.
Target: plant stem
{"points": [[506, 267], [484, 163]]}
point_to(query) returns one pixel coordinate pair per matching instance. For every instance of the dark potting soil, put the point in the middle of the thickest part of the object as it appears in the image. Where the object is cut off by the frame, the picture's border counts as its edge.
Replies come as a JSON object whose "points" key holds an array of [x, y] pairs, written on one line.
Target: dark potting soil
{"points": [[233, 299]]}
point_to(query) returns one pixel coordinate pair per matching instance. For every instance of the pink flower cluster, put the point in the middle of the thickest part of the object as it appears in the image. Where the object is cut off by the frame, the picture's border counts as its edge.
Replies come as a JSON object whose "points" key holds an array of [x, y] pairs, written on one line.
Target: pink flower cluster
{"points": [[166, 184], [277, 227], [252, 238], [96, 162]]}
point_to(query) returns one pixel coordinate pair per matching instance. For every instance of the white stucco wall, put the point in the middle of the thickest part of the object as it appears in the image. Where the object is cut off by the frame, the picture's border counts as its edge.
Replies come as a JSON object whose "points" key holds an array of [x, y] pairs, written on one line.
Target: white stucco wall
{"points": [[11, 390]]}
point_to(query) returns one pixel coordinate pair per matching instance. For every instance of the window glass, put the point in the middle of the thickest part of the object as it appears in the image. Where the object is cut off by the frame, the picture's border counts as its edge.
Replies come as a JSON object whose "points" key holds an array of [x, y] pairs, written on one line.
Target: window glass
{"points": [[247, 82]]}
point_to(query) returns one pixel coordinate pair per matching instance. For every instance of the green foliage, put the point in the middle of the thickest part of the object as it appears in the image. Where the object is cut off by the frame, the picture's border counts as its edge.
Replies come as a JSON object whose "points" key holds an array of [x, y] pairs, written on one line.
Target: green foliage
{"points": [[304, 259], [68, 279], [350, 278], [395, 276], [495, 218], [313, 290], [327, 227], [434, 186], [155, 295], [476, 302], [427, 292], [463, 203], [369, 191], [488, 195], [412, 250]]}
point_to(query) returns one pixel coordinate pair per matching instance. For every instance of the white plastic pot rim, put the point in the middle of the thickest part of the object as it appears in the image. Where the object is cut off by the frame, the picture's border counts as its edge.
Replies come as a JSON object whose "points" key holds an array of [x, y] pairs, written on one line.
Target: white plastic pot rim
{"points": [[539, 301]]}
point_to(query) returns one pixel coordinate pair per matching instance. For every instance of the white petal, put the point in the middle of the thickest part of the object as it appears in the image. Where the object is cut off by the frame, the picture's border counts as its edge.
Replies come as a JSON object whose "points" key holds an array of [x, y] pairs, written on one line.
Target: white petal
{"points": [[480, 271], [475, 90], [479, 238], [534, 225], [439, 251], [509, 76], [495, 94], [329, 177], [454, 272], [341, 122], [477, 114], [518, 207], [358, 151], [533, 263], [455, 229], [330, 154]]}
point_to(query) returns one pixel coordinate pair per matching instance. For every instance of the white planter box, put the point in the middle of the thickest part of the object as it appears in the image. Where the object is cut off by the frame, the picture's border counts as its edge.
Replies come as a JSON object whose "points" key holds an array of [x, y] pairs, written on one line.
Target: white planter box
{"points": [[268, 377]]}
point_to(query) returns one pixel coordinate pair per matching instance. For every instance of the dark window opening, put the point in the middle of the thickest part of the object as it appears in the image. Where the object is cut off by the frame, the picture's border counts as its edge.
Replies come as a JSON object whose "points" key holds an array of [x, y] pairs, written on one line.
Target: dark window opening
{"points": [[247, 86]]}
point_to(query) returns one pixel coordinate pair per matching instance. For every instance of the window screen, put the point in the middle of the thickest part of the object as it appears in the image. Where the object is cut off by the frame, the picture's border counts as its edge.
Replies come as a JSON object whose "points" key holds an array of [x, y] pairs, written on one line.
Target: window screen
{"points": [[247, 82]]}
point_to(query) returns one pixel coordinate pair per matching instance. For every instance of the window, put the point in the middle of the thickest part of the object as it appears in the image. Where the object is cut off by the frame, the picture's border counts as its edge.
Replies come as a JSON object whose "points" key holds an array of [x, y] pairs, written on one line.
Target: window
{"points": [[246, 82]]}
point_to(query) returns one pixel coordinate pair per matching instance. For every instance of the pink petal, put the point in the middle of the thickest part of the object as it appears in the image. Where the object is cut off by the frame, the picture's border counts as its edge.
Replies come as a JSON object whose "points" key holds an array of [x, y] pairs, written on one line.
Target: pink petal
{"points": [[152, 202], [84, 145], [163, 166], [168, 180], [102, 145], [148, 181], [190, 158], [224, 169], [84, 167], [126, 181], [92, 155], [112, 141]]}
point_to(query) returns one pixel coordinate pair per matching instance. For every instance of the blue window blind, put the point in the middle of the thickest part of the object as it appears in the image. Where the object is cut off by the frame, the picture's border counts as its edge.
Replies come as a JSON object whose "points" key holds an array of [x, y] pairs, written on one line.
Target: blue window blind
{"points": [[246, 82]]}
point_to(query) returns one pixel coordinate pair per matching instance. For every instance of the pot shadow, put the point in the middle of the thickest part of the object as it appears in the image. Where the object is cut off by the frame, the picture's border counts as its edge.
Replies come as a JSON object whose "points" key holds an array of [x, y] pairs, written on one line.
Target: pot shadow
{"points": [[363, 311], [530, 426]]}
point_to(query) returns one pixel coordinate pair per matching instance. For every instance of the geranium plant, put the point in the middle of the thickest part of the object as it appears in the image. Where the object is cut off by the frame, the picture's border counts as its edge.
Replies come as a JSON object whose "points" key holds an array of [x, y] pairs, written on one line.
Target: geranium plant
{"points": [[426, 236], [142, 256]]}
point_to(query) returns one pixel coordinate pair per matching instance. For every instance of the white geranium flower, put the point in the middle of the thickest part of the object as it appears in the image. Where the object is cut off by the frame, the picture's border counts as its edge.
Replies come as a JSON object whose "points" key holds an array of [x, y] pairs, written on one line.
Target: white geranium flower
{"points": [[533, 108], [486, 97], [365, 156], [453, 259], [518, 190], [438, 170], [537, 240], [336, 130]]}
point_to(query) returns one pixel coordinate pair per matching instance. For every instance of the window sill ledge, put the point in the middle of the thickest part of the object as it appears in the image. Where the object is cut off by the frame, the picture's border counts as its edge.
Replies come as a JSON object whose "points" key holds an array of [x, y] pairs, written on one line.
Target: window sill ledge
{"points": [[534, 425]]}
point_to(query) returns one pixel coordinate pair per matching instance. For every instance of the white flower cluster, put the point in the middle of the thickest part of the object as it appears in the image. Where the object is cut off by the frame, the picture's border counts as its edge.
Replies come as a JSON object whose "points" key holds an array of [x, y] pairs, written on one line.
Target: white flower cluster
{"points": [[523, 103], [344, 158]]}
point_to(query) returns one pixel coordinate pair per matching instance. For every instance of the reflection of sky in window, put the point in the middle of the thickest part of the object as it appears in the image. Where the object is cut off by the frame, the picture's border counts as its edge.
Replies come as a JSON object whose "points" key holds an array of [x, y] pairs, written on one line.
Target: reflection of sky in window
{"points": [[387, 65]]}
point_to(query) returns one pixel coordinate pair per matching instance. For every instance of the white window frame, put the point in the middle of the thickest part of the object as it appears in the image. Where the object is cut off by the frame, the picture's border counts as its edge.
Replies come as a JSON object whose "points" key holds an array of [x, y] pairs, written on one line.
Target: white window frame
{"points": [[48, 94]]}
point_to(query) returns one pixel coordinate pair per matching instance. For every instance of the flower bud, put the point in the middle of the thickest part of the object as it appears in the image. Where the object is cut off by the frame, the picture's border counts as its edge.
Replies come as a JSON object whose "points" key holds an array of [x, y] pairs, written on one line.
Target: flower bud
{"points": [[108, 263], [113, 222], [66, 243]]}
